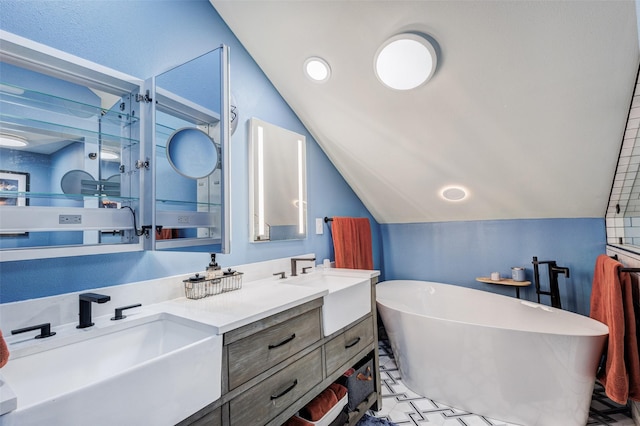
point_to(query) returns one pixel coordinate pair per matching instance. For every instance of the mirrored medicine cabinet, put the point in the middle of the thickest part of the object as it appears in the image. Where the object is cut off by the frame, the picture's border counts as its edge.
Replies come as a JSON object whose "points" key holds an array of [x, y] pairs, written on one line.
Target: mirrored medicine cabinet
{"points": [[96, 161], [277, 183]]}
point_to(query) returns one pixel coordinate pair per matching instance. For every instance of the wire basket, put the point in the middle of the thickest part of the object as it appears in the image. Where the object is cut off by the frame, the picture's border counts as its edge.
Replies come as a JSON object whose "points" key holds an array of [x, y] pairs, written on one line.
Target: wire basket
{"points": [[195, 289], [232, 281], [199, 288]]}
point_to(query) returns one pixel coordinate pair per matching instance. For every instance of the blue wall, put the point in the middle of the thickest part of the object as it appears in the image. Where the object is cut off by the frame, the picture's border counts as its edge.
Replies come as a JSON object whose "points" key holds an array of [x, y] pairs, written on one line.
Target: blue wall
{"points": [[458, 252], [144, 38]]}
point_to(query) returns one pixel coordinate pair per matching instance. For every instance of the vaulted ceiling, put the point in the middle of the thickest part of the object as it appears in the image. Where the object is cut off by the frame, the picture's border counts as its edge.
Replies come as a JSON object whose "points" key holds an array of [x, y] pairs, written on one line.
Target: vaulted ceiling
{"points": [[526, 109]]}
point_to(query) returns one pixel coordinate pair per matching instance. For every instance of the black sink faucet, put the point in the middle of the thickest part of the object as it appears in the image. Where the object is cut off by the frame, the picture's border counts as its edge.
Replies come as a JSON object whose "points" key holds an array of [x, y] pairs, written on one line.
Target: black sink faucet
{"points": [[294, 264], [85, 307]]}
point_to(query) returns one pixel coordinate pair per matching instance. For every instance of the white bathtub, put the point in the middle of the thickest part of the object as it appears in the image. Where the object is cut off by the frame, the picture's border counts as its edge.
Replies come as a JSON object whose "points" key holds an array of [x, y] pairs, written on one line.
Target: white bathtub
{"points": [[493, 355]]}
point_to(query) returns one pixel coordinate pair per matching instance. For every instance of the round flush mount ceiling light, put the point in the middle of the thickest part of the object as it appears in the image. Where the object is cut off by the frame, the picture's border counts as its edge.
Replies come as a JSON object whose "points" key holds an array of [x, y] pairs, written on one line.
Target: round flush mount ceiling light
{"points": [[108, 155], [317, 69], [12, 141], [405, 61], [453, 193]]}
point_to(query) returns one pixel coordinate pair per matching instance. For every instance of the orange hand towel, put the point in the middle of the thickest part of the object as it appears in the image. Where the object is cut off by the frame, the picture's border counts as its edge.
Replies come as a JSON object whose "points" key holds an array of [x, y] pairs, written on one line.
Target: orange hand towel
{"points": [[339, 390], [166, 234], [612, 304], [4, 351], [352, 242], [319, 406], [297, 421]]}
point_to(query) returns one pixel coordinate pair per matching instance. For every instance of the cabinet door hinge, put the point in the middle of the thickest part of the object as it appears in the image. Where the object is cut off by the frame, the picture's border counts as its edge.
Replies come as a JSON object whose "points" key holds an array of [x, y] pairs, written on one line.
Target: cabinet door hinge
{"points": [[143, 98], [142, 164]]}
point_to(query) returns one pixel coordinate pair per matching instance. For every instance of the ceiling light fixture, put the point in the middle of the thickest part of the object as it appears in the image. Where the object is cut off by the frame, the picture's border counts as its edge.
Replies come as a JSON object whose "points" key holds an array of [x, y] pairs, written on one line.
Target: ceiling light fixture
{"points": [[454, 193], [108, 155], [6, 88], [317, 69], [405, 61], [12, 141]]}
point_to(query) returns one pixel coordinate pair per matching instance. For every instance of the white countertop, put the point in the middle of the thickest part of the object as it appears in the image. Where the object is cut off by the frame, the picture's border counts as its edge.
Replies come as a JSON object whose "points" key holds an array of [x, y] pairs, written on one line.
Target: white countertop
{"points": [[262, 295], [254, 301]]}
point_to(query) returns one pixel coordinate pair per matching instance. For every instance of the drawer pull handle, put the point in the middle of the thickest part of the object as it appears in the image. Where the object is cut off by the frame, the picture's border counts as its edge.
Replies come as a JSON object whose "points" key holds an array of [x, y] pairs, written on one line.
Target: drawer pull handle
{"points": [[352, 343], [285, 391], [284, 342]]}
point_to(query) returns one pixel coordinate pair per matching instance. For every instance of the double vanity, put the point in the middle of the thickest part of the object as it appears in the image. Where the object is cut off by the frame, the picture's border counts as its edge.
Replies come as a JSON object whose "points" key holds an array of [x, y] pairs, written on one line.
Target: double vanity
{"points": [[96, 168], [253, 356]]}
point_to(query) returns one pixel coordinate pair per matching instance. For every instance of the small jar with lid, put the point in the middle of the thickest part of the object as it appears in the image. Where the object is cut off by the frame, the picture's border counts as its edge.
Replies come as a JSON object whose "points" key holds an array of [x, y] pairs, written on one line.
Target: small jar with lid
{"points": [[195, 287], [517, 273]]}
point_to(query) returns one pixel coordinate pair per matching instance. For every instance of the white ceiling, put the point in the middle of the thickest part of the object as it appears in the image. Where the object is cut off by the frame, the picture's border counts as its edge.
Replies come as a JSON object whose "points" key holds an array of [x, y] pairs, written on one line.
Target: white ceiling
{"points": [[526, 109]]}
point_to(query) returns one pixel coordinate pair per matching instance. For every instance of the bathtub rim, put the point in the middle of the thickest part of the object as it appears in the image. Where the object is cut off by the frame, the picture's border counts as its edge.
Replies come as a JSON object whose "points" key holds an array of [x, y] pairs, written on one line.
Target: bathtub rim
{"points": [[596, 329]]}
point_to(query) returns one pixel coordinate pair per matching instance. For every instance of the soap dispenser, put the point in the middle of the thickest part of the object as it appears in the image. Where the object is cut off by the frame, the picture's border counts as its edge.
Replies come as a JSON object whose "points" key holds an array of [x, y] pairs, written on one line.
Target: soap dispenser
{"points": [[213, 270]]}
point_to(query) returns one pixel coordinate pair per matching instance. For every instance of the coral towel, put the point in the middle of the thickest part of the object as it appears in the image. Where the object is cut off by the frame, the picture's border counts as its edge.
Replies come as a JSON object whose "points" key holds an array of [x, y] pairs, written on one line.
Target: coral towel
{"points": [[352, 243], [612, 304], [297, 421], [339, 390], [4, 351], [319, 406]]}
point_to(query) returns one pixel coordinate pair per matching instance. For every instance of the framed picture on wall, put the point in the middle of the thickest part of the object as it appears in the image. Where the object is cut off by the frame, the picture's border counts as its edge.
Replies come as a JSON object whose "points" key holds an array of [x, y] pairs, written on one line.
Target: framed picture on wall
{"points": [[13, 186]]}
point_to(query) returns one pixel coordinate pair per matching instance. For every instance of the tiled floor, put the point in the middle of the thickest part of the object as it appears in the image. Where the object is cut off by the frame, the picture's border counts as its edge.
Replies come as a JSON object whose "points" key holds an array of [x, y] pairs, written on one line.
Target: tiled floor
{"points": [[405, 408]]}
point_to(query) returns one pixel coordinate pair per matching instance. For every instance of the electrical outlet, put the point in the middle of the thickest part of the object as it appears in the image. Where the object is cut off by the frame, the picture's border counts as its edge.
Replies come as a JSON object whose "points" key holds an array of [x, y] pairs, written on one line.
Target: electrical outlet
{"points": [[69, 219], [319, 226]]}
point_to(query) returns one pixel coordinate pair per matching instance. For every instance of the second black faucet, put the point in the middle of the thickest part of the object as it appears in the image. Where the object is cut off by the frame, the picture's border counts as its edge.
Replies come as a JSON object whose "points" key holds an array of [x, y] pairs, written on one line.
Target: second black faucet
{"points": [[294, 264], [85, 307]]}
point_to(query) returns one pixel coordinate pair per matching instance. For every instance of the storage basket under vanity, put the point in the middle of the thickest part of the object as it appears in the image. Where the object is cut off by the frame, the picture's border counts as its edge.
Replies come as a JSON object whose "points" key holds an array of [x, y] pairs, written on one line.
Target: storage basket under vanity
{"points": [[359, 382], [198, 287]]}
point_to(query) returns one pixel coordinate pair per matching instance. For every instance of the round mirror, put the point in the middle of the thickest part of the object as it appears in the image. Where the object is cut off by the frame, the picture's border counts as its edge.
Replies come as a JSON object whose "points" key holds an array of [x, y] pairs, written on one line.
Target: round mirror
{"points": [[192, 153], [71, 182]]}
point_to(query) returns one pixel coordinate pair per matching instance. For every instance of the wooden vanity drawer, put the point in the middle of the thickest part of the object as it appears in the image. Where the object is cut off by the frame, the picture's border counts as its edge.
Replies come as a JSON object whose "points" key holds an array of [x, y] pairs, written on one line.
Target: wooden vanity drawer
{"points": [[268, 398], [346, 345], [254, 354]]}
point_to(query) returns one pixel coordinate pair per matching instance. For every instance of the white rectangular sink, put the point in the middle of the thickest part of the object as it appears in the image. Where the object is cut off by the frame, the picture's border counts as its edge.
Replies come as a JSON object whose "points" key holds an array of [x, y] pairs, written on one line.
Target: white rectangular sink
{"points": [[349, 298], [153, 370]]}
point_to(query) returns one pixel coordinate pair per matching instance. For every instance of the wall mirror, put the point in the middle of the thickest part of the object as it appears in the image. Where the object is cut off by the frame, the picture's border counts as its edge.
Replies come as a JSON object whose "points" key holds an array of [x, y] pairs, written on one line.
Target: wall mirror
{"points": [[190, 152], [277, 183], [623, 212], [68, 136]]}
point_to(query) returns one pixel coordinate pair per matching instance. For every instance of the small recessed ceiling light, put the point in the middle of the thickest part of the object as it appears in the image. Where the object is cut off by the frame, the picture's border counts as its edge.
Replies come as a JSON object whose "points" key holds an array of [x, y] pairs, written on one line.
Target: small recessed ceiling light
{"points": [[405, 61], [453, 193], [12, 141], [317, 69]]}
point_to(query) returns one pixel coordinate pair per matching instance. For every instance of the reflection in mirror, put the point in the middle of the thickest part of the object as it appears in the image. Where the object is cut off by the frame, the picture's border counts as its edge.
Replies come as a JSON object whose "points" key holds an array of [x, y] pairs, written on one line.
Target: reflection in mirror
{"points": [[191, 104], [192, 153], [623, 212], [278, 188], [74, 138]]}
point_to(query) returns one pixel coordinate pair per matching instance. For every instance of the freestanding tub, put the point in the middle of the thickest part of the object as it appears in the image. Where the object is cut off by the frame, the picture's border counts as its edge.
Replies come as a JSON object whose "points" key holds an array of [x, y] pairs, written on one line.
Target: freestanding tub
{"points": [[493, 355]]}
